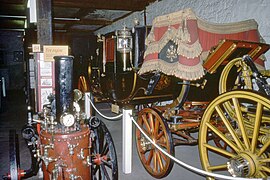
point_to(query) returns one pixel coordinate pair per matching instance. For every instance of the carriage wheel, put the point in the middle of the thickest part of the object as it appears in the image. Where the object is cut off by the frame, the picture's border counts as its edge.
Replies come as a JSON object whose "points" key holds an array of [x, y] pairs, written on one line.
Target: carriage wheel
{"points": [[83, 85], [155, 162], [246, 135], [235, 75], [14, 158], [104, 160]]}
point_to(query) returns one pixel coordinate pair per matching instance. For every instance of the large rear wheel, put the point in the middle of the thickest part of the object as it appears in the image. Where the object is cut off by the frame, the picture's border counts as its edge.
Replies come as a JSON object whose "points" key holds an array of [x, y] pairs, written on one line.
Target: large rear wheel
{"points": [[235, 75], [245, 133]]}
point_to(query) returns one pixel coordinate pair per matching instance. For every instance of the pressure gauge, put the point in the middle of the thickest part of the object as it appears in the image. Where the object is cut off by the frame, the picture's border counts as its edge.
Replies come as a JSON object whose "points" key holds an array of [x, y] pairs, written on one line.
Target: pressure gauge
{"points": [[67, 119]]}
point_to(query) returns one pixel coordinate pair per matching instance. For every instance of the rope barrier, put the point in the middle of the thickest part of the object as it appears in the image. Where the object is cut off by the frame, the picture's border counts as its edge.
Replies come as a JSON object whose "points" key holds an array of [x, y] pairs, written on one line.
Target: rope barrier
{"points": [[187, 166], [106, 117], [194, 169]]}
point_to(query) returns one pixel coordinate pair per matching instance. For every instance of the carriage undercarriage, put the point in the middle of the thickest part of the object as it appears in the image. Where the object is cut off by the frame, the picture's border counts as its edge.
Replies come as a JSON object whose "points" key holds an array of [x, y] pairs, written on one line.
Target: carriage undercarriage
{"points": [[233, 127], [239, 139]]}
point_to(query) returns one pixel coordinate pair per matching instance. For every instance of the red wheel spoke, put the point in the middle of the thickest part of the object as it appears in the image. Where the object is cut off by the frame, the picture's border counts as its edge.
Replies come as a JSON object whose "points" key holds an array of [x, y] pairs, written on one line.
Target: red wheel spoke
{"points": [[160, 160], [160, 134], [155, 162], [146, 123], [157, 124], [151, 121], [150, 157]]}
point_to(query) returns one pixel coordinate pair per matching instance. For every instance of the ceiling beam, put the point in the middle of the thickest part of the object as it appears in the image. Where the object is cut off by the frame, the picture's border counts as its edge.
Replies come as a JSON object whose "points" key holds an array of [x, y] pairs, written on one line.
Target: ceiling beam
{"points": [[103, 4], [12, 9], [83, 22], [74, 31], [12, 24], [13, 2], [80, 15], [16, 11]]}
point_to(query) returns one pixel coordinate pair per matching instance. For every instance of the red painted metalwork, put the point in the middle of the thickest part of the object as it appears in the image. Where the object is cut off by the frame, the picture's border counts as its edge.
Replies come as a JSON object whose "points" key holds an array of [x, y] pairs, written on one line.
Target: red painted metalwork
{"points": [[66, 154]]}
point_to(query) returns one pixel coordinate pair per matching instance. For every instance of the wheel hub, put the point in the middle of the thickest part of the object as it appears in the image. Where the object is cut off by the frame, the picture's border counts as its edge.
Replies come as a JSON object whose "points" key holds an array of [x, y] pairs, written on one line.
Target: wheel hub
{"points": [[145, 144], [100, 159], [242, 165]]}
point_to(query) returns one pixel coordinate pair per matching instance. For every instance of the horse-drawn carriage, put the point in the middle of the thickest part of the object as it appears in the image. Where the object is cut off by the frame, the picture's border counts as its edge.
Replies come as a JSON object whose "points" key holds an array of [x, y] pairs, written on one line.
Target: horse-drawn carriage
{"points": [[182, 87], [192, 65]]}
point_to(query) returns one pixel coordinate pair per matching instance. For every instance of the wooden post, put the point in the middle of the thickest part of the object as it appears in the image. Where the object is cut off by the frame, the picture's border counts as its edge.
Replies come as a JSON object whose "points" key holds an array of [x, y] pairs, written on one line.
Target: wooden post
{"points": [[44, 23]]}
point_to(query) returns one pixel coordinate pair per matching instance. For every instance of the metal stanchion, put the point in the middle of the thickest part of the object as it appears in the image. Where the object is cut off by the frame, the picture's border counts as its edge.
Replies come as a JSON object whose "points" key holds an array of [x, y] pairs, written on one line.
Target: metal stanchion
{"points": [[87, 104], [127, 141], [3, 87]]}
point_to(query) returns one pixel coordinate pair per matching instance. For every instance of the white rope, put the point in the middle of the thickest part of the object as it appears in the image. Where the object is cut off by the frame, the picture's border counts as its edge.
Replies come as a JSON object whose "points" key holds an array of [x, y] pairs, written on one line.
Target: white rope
{"points": [[194, 169], [106, 117]]}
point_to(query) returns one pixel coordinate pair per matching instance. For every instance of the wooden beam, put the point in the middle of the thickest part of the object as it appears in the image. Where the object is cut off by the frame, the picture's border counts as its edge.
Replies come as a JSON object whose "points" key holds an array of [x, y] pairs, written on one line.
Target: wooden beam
{"points": [[11, 24], [13, 10], [122, 17], [13, 2], [103, 4], [80, 15], [83, 22], [74, 31], [44, 22]]}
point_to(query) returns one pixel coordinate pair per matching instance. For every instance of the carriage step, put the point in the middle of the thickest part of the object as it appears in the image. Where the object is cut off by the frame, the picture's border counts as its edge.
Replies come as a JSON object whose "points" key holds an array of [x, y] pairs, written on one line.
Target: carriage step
{"points": [[152, 83], [176, 119]]}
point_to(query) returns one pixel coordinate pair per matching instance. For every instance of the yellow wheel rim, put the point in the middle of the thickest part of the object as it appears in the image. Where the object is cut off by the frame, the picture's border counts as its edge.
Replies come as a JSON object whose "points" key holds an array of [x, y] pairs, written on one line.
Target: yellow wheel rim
{"points": [[243, 81], [244, 142]]}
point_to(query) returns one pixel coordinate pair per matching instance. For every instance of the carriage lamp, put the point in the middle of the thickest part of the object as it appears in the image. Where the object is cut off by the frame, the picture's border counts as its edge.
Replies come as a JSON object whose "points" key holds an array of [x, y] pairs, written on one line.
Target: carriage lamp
{"points": [[124, 40], [124, 44]]}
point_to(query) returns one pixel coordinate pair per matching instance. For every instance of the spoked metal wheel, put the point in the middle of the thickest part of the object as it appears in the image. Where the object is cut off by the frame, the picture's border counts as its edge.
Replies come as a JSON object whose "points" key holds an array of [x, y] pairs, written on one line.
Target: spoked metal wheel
{"points": [[245, 134], [104, 159], [155, 162]]}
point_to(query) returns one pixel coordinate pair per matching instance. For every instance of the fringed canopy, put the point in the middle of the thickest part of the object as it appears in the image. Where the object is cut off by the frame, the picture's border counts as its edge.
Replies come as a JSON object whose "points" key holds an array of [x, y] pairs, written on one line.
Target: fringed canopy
{"points": [[179, 42]]}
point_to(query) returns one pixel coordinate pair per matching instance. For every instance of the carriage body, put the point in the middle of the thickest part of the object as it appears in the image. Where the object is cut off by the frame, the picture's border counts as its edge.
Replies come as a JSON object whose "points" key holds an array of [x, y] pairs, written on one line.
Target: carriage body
{"points": [[178, 46], [206, 62]]}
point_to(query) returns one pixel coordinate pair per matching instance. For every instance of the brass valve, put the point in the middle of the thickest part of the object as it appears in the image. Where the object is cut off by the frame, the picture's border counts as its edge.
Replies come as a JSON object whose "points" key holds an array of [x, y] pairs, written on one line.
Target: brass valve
{"points": [[37, 154], [73, 177], [45, 158], [71, 148], [55, 172], [202, 85], [81, 154]]}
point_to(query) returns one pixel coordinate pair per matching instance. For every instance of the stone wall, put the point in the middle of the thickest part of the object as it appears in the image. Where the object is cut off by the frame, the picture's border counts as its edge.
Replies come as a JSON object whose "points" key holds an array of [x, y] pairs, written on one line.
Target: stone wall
{"points": [[215, 11]]}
